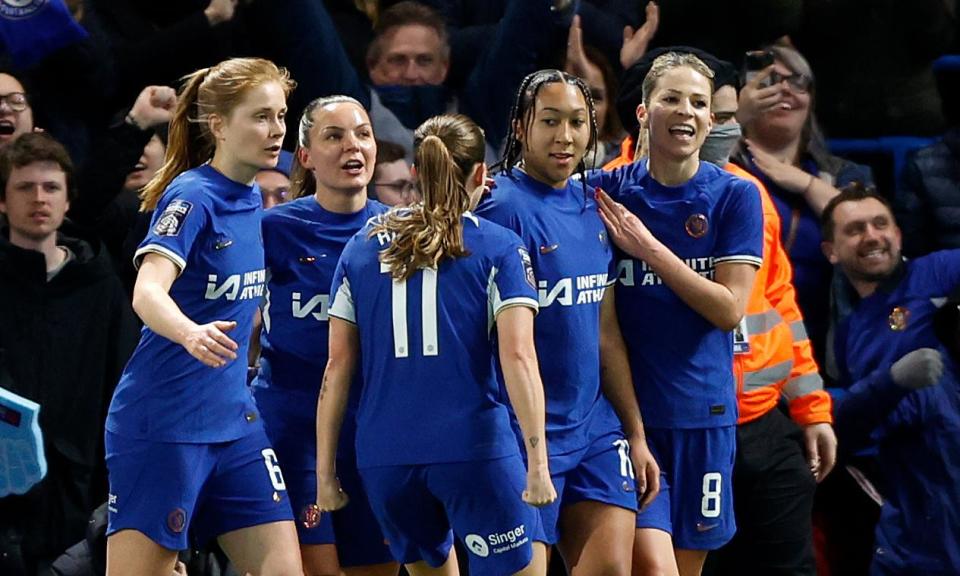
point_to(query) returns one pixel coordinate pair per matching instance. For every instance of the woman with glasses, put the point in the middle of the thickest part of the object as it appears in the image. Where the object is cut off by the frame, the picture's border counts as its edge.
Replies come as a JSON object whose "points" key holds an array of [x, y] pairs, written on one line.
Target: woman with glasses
{"points": [[784, 147], [16, 116]]}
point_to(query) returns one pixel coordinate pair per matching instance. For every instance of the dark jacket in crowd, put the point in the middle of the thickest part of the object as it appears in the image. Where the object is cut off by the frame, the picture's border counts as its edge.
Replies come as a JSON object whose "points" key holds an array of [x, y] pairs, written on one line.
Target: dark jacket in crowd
{"points": [[65, 342], [927, 204]]}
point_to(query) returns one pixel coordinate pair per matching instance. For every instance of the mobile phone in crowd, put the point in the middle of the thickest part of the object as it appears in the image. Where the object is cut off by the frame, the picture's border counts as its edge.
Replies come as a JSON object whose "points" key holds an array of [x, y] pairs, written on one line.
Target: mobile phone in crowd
{"points": [[754, 62]]}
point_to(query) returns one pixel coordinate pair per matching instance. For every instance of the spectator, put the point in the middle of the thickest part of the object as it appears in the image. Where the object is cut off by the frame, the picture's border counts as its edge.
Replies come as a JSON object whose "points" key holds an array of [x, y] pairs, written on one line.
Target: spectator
{"points": [[903, 393], [786, 150], [393, 183], [407, 80], [928, 203], [274, 182], [16, 115], [67, 331], [122, 159]]}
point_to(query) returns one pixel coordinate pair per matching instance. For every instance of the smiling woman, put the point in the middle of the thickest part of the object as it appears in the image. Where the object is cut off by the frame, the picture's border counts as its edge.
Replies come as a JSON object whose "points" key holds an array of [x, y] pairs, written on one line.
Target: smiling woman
{"points": [[692, 236], [786, 150], [592, 522], [182, 406]]}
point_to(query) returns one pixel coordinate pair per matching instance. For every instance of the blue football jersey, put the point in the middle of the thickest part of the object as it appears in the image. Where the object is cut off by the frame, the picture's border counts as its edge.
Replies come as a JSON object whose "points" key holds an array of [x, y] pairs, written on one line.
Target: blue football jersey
{"points": [[917, 434], [302, 243], [209, 226], [573, 264], [430, 391], [682, 364]]}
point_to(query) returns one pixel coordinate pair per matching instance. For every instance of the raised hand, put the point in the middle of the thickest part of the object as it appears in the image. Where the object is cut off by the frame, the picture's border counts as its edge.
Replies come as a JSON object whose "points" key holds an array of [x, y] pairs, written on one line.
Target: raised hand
{"points": [[635, 42]]}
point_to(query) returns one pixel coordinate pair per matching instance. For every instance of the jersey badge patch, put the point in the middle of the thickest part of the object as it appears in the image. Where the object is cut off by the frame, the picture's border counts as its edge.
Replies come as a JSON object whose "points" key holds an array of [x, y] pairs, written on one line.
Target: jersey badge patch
{"points": [[697, 225], [171, 220], [898, 319], [527, 267]]}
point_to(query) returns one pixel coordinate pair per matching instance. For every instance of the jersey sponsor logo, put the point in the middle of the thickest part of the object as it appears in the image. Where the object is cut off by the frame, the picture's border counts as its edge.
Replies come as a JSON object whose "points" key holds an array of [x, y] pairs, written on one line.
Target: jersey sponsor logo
{"points": [[527, 267], [589, 290], [627, 274], [236, 286], [308, 309], [477, 545], [497, 542], [171, 220]]}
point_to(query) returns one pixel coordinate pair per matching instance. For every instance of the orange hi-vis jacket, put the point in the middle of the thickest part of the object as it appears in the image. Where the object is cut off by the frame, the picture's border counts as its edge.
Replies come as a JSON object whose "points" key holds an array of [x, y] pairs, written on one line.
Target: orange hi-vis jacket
{"points": [[779, 360]]}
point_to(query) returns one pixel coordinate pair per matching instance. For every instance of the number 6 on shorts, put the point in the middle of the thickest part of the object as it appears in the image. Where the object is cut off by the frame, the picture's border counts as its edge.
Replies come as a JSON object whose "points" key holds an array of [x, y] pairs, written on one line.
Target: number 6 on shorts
{"points": [[273, 469], [710, 504]]}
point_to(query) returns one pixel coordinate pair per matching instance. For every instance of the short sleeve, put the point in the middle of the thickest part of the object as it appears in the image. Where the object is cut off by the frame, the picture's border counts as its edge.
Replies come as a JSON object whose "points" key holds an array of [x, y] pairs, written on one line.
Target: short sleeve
{"points": [[611, 181], [343, 307], [512, 282], [175, 227], [496, 211], [740, 238]]}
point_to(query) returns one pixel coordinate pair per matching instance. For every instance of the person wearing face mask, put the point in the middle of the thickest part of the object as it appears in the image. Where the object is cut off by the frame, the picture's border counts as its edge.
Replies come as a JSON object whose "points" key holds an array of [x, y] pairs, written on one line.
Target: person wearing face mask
{"points": [[408, 63], [780, 459]]}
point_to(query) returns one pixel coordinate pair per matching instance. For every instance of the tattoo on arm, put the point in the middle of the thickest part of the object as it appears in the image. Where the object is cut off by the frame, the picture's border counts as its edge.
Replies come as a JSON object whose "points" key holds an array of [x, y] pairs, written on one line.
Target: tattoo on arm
{"points": [[323, 386], [534, 441]]}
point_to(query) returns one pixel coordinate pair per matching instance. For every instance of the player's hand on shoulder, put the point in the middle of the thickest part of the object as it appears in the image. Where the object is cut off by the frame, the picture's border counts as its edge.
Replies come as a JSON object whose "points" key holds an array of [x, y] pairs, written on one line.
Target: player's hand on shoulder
{"points": [[628, 232], [540, 490], [209, 343], [330, 496], [920, 368]]}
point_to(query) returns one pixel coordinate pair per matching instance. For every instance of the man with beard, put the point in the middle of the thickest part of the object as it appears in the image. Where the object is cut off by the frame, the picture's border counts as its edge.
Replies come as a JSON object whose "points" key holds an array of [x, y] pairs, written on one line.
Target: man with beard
{"points": [[903, 393]]}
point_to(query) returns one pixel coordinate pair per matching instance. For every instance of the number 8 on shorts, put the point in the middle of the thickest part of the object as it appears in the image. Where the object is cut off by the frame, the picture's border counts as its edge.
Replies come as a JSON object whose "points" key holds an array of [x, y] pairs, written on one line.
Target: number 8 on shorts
{"points": [[710, 503]]}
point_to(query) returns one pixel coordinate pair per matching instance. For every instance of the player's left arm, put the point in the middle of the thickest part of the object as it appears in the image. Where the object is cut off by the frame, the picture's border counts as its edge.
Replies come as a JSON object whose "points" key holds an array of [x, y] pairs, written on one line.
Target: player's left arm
{"points": [[331, 406], [721, 301], [617, 383], [521, 376]]}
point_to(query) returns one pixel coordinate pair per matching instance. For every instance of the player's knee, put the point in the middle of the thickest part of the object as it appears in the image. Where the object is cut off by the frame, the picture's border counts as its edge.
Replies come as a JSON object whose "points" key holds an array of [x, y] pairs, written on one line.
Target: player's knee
{"points": [[652, 565], [610, 567], [285, 567]]}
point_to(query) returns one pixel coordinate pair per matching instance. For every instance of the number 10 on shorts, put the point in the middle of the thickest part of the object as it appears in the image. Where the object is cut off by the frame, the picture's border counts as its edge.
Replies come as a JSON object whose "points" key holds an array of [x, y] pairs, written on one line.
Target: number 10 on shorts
{"points": [[710, 503]]}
